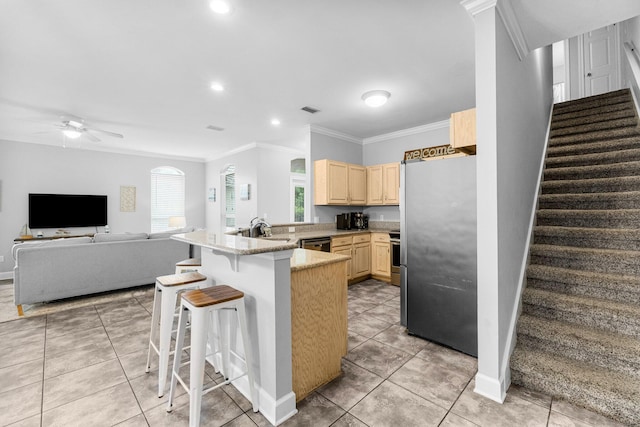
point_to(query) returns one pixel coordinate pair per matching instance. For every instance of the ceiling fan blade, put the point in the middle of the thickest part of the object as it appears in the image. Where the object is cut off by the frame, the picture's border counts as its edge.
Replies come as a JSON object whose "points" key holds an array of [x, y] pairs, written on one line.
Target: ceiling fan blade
{"points": [[106, 132], [91, 137]]}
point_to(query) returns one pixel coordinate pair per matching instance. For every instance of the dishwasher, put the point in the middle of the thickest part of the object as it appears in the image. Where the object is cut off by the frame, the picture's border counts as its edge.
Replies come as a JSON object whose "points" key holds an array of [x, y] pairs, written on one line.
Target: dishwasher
{"points": [[317, 244]]}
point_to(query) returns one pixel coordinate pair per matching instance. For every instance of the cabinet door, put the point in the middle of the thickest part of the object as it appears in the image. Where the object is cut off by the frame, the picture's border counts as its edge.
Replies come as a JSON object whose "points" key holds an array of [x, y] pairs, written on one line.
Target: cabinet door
{"points": [[344, 250], [381, 259], [357, 185], [391, 183], [361, 259], [338, 177], [374, 185], [462, 128]]}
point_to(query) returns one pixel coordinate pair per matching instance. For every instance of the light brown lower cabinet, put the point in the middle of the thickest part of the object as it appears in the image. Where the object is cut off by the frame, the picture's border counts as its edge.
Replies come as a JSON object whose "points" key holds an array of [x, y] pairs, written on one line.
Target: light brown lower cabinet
{"points": [[358, 247], [380, 256], [318, 325]]}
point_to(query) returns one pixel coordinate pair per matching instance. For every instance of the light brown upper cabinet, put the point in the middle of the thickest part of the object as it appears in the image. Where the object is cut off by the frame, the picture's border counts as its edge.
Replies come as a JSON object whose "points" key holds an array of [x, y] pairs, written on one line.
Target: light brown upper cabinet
{"points": [[462, 128], [339, 183], [383, 184]]}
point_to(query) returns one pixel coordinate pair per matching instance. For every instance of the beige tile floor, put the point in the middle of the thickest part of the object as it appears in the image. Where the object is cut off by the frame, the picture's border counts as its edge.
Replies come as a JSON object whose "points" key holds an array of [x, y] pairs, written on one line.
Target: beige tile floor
{"points": [[84, 366]]}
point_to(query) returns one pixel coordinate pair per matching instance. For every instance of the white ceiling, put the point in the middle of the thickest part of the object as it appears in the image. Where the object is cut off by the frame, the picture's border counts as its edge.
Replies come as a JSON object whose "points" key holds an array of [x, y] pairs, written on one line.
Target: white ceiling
{"points": [[143, 67]]}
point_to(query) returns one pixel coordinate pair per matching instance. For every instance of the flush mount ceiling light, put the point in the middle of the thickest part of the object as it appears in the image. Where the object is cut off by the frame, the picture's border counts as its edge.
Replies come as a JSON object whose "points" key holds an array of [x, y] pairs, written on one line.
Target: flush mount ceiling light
{"points": [[275, 122], [376, 98], [221, 7], [215, 86]]}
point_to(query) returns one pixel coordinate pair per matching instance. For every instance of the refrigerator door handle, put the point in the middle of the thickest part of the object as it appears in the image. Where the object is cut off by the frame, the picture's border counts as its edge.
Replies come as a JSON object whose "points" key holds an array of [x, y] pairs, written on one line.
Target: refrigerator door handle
{"points": [[403, 295]]}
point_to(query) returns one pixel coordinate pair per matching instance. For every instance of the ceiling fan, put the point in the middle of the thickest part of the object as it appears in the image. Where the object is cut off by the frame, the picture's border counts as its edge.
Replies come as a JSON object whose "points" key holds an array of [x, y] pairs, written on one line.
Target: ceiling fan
{"points": [[75, 128]]}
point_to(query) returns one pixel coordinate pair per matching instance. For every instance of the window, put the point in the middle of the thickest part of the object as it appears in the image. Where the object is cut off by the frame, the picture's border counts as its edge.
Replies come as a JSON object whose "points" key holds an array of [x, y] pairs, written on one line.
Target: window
{"points": [[298, 190], [230, 196], [167, 196]]}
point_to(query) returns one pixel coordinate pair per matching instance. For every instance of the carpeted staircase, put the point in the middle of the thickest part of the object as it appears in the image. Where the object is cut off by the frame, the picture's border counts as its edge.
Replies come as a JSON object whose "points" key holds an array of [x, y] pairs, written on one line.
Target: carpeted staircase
{"points": [[579, 331]]}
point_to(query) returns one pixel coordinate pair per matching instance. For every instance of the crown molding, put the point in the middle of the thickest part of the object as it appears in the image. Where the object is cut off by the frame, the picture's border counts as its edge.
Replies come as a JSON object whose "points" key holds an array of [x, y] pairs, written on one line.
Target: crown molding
{"points": [[508, 16], [406, 132], [335, 134]]}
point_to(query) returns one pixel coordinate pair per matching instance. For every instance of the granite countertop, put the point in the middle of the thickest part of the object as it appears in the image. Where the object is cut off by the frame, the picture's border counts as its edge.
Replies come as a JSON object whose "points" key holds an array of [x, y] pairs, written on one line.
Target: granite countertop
{"points": [[235, 245], [303, 259], [296, 237]]}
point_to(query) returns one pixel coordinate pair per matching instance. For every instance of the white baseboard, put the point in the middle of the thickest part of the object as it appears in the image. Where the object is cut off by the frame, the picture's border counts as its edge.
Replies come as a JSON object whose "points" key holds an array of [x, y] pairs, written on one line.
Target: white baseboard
{"points": [[490, 388], [6, 275]]}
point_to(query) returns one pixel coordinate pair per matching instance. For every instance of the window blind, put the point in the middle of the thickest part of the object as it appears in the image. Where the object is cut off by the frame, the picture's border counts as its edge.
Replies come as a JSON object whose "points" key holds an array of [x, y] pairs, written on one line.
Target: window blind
{"points": [[167, 197]]}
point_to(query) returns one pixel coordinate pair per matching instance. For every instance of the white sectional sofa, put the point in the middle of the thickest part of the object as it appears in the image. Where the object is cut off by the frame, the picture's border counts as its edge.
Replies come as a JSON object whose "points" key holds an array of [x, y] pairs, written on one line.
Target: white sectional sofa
{"points": [[63, 268]]}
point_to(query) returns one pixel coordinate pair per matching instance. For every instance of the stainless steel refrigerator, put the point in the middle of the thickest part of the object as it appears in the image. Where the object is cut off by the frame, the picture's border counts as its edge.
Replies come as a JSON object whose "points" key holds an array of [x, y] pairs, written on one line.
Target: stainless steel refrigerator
{"points": [[438, 265]]}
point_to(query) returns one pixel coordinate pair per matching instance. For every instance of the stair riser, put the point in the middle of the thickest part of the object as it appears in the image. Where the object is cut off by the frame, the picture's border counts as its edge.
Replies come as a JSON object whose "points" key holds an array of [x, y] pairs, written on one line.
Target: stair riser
{"points": [[591, 262], [613, 322], [585, 352], [589, 222], [592, 172], [593, 186], [584, 128], [616, 111], [620, 409], [592, 159], [625, 296], [600, 136], [587, 204], [587, 242], [594, 147]]}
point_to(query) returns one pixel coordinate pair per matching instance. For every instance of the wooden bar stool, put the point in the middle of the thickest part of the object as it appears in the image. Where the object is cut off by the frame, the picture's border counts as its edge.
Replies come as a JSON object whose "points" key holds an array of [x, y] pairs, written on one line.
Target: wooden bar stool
{"points": [[202, 304], [188, 265], [162, 318]]}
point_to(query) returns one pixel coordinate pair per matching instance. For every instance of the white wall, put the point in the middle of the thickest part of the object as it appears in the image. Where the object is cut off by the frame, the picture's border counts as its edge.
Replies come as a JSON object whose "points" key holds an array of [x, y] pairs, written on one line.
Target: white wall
{"points": [[514, 99], [31, 168], [322, 146], [267, 170], [392, 150]]}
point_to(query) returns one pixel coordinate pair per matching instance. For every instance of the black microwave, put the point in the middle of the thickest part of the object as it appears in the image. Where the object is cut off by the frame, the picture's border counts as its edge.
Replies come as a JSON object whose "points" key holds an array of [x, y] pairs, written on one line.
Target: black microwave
{"points": [[343, 221]]}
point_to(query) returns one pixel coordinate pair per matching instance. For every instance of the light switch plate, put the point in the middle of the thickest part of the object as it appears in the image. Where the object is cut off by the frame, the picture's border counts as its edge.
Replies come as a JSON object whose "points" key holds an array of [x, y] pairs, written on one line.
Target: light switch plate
{"points": [[1, 258]]}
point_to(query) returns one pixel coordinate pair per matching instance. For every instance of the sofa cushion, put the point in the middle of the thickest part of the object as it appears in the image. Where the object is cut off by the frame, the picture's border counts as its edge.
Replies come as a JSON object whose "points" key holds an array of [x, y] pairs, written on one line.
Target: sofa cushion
{"points": [[49, 243], [166, 234], [118, 237]]}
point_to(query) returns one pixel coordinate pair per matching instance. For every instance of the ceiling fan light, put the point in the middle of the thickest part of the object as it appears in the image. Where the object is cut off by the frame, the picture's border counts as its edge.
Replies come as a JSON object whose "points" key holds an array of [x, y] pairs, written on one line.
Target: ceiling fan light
{"points": [[75, 124], [220, 7], [72, 133], [376, 98]]}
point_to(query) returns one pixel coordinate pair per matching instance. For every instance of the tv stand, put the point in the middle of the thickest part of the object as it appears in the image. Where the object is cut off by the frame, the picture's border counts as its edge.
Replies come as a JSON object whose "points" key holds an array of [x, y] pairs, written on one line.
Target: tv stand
{"points": [[55, 236]]}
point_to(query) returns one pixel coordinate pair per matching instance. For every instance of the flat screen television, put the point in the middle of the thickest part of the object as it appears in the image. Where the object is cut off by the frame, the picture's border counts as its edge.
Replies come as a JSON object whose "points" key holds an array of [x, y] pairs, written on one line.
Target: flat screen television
{"points": [[67, 210]]}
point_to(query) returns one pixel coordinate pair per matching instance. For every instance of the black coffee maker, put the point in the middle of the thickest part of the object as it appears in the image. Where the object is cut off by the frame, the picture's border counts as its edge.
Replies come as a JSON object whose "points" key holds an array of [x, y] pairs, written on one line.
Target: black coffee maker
{"points": [[359, 221]]}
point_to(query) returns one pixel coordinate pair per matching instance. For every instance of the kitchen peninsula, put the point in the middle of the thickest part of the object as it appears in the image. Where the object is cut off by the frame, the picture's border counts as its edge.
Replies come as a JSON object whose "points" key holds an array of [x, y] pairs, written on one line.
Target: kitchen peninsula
{"points": [[296, 313]]}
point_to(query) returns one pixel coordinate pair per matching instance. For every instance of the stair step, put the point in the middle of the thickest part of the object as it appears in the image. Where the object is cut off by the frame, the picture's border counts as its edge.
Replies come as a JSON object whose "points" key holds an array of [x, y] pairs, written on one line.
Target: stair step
{"points": [[630, 168], [613, 261], [595, 185], [588, 114], [612, 218], [602, 390], [591, 201], [601, 348], [585, 128], [582, 148], [613, 316], [617, 97], [599, 135], [584, 237], [614, 287], [592, 159]]}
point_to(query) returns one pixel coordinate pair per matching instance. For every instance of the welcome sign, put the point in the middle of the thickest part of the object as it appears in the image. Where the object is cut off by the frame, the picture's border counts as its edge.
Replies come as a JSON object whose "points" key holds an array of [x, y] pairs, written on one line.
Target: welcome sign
{"points": [[436, 152]]}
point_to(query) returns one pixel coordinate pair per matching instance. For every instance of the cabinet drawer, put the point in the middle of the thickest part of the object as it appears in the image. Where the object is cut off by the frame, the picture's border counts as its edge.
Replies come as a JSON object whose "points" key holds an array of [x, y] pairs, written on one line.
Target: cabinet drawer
{"points": [[341, 241], [380, 237], [362, 238]]}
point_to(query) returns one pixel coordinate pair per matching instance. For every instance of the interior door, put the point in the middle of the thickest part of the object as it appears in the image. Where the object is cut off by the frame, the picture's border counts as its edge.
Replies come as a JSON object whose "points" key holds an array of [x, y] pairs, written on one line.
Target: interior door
{"points": [[601, 60]]}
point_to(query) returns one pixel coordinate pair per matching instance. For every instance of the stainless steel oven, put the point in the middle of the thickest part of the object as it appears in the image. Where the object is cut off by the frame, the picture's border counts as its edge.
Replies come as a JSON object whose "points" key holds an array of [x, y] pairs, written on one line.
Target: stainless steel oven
{"points": [[394, 239]]}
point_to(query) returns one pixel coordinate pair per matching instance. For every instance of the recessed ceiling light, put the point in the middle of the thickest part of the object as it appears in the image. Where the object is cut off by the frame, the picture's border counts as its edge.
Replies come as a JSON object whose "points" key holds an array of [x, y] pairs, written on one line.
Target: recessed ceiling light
{"points": [[217, 87], [275, 122], [220, 7], [376, 98]]}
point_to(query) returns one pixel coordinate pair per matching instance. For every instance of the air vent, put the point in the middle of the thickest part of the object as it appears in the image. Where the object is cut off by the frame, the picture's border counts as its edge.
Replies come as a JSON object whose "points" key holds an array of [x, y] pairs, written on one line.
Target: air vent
{"points": [[212, 127], [310, 109]]}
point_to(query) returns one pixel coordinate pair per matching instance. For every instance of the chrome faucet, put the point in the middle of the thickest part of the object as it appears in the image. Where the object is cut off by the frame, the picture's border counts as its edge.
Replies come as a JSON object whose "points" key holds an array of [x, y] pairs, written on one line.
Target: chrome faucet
{"points": [[256, 227]]}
